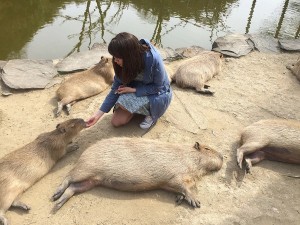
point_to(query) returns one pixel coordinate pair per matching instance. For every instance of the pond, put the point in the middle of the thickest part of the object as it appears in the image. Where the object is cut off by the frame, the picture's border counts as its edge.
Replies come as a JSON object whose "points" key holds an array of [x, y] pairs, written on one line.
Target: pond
{"points": [[49, 29]]}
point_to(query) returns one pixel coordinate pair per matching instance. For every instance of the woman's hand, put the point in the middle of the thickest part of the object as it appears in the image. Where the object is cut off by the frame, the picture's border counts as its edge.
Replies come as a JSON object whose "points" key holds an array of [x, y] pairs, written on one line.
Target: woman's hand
{"points": [[94, 119], [123, 89]]}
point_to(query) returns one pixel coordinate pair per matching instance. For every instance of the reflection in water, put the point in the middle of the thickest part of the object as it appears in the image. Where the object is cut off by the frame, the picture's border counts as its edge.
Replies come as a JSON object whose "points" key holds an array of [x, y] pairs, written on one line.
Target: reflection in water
{"points": [[56, 28]]}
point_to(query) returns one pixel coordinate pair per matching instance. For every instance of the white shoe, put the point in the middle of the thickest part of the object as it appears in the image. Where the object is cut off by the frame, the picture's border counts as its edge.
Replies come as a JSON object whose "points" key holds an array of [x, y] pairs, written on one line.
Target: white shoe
{"points": [[147, 123]]}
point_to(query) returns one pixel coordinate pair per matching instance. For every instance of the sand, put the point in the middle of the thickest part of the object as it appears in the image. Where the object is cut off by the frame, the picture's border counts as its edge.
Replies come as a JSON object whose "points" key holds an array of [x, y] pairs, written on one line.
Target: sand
{"points": [[257, 86]]}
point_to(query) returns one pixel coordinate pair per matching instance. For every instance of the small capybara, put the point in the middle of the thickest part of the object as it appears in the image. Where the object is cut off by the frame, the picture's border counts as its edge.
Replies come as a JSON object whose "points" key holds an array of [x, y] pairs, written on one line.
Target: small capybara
{"points": [[85, 84], [194, 72], [295, 68], [21, 168], [138, 164], [273, 139]]}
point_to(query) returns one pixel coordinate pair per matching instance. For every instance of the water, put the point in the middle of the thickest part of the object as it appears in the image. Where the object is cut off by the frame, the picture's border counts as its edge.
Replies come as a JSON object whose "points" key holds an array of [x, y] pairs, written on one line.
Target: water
{"points": [[49, 29]]}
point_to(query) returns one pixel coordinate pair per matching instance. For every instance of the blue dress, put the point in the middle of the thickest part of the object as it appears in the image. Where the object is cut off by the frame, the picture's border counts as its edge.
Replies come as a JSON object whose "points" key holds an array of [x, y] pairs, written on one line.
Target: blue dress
{"points": [[154, 85]]}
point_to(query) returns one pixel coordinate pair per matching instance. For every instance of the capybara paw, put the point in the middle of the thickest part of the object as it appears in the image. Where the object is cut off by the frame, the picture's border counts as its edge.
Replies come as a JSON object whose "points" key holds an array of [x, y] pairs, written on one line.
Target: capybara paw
{"points": [[179, 199], [248, 165], [193, 202], [56, 196], [3, 220]]}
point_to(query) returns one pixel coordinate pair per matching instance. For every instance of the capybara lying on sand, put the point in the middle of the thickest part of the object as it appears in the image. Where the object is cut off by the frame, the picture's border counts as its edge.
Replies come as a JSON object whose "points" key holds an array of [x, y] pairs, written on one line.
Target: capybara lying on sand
{"points": [[273, 139], [138, 164], [23, 167], [85, 84]]}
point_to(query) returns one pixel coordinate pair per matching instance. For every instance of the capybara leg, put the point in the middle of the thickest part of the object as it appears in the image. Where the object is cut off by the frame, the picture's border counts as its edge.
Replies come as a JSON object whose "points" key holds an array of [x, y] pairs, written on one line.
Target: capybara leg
{"points": [[72, 147], [246, 149], [3, 220], [61, 188], [20, 205], [254, 158], [59, 108], [69, 107], [204, 90], [182, 186], [73, 189]]}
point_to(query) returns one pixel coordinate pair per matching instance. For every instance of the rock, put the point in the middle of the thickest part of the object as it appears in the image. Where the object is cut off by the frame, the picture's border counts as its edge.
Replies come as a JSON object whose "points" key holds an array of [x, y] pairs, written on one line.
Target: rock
{"points": [[265, 44], [83, 60], [290, 45], [235, 45], [190, 51], [28, 74], [168, 54]]}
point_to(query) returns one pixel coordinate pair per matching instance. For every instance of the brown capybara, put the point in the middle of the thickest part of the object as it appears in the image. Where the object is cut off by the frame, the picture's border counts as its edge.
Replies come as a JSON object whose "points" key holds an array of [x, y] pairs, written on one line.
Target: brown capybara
{"points": [[138, 164], [273, 139], [85, 84], [295, 68], [196, 71], [21, 168]]}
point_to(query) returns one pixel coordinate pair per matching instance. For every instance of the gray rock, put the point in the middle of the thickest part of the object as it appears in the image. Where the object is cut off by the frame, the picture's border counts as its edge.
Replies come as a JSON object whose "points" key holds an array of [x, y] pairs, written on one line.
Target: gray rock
{"points": [[28, 74], [290, 45], [189, 51], [168, 54], [235, 45], [83, 60], [265, 44]]}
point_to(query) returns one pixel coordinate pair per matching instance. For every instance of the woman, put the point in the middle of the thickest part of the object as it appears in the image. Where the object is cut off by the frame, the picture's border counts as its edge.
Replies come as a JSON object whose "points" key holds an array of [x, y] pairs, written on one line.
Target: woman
{"points": [[140, 84]]}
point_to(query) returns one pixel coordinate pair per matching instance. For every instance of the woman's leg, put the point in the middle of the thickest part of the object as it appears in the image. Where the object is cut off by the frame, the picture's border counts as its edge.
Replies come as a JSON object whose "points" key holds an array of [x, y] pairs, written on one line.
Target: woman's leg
{"points": [[121, 117]]}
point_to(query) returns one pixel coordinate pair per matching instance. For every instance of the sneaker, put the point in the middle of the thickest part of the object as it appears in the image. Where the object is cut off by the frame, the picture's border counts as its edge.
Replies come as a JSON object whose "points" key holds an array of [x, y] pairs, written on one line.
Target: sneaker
{"points": [[147, 123]]}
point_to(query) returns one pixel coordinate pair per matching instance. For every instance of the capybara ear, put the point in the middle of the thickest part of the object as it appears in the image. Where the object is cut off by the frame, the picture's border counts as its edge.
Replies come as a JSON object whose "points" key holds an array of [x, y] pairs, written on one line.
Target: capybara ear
{"points": [[61, 129], [197, 146], [102, 57]]}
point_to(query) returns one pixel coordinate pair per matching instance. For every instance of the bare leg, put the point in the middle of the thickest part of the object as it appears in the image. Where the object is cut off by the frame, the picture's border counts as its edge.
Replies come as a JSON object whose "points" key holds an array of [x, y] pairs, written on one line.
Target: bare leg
{"points": [[121, 117], [183, 187], [248, 148], [254, 158]]}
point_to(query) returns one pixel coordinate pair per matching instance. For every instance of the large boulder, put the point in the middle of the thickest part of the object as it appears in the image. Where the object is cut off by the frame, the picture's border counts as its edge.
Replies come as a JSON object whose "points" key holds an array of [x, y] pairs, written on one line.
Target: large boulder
{"points": [[264, 43], [28, 74], [83, 60], [290, 44], [234, 45]]}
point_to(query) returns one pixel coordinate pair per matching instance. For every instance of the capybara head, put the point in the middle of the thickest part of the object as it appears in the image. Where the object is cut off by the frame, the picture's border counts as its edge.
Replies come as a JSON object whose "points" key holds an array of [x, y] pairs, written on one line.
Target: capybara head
{"points": [[214, 158], [105, 61], [71, 127]]}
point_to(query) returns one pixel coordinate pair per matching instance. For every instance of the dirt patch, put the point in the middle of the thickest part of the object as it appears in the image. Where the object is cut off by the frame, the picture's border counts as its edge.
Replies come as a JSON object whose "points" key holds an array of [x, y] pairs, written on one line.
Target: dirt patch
{"points": [[257, 86]]}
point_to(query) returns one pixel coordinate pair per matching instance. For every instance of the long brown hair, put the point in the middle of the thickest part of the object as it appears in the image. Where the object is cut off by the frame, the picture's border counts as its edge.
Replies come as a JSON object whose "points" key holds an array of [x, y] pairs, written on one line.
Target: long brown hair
{"points": [[127, 47]]}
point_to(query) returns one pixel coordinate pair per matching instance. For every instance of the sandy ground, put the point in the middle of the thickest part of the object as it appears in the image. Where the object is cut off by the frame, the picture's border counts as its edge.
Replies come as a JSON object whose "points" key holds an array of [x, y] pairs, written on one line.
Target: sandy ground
{"points": [[254, 87]]}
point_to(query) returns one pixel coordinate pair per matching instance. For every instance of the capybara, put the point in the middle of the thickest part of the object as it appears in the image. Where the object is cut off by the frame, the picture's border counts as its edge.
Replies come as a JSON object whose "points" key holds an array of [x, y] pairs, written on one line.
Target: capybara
{"points": [[196, 71], [295, 68], [138, 164], [273, 139], [21, 168], [85, 84]]}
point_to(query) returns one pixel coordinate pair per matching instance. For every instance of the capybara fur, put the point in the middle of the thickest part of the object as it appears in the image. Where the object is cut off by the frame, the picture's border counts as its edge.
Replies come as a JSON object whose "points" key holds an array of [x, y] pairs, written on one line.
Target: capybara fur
{"points": [[273, 139], [196, 71], [138, 164], [85, 84], [23, 167], [295, 68]]}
